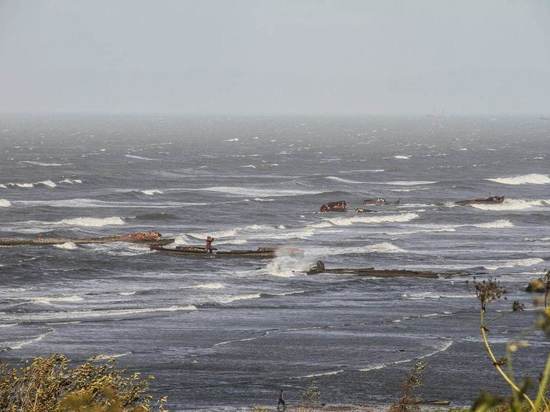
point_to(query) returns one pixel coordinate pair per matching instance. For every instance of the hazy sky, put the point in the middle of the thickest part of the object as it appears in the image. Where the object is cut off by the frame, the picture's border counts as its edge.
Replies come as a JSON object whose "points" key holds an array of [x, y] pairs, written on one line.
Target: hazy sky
{"points": [[277, 56]]}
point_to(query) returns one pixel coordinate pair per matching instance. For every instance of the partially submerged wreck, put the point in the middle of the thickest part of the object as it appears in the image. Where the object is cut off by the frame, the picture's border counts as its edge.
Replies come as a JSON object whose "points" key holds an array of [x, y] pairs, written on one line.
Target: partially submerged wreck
{"points": [[338, 206], [319, 267], [199, 251], [137, 237], [486, 201]]}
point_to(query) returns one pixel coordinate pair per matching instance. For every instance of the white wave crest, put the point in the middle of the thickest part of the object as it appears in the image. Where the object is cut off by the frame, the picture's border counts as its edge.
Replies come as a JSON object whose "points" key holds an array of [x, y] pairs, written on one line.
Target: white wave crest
{"points": [[439, 349], [230, 299], [48, 183], [152, 192], [402, 157], [71, 181], [120, 249], [138, 157], [67, 246], [319, 374], [287, 264], [50, 300], [88, 203], [179, 240], [19, 345], [21, 185], [532, 179], [497, 224], [43, 163], [385, 247], [91, 314], [254, 192], [215, 235], [512, 204], [209, 285], [514, 263], [348, 221], [92, 221], [5, 203], [104, 357], [409, 182], [339, 179]]}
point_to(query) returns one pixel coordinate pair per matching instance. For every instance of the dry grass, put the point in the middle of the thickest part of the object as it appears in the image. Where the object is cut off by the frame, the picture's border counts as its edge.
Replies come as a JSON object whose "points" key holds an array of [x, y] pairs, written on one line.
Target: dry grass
{"points": [[52, 385]]}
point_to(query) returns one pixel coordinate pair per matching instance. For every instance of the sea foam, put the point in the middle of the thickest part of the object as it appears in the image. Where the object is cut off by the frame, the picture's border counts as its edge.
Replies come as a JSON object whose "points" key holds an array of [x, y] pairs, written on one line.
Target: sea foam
{"points": [[512, 205], [340, 180], [514, 263], [254, 192], [533, 179], [348, 221], [152, 192], [67, 246], [92, 221]]}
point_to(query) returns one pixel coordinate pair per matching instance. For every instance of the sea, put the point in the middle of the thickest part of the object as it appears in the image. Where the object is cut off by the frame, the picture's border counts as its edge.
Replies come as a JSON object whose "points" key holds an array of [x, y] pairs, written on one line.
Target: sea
{"points": [[228, 334]]}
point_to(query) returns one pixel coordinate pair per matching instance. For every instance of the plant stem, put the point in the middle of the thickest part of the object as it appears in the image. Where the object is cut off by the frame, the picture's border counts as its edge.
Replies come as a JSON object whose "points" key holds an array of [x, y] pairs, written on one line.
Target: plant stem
{"points": [[495, 361], [511, 371], [543, 385]]}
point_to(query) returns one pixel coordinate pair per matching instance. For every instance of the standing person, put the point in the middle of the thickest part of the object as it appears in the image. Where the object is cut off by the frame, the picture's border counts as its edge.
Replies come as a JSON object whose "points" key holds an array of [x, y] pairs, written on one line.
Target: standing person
{"points": [[209, 241], [281, 405]]}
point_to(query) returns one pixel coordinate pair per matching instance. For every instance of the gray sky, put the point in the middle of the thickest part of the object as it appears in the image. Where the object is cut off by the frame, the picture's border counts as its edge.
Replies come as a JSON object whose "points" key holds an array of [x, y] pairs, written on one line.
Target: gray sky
{"points": [[278, 56]]}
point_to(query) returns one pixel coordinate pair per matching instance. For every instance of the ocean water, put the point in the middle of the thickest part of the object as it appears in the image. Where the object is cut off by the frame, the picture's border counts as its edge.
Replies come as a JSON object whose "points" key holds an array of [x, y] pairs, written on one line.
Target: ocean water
{"points": [[223, 334]]}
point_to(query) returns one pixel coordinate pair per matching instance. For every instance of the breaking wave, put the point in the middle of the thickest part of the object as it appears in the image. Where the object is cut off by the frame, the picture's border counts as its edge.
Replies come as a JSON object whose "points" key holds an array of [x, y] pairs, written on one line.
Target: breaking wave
{"points": [[20, 345], [30, 162], [92, 314], [514, 263], [497, 224], [71, 181], [138, 157], [512, 205], [67, 246], [104, 357], [49, 300], [5, 203], [209, 285], [317, 375], [532, 179], [85, 203], [384, 247], [439, 349], [348, 221], [402, 157], [47, 183], [409, 183], [231, 299], [92, 221], [253, 192], [152, 192], [339, 179]]}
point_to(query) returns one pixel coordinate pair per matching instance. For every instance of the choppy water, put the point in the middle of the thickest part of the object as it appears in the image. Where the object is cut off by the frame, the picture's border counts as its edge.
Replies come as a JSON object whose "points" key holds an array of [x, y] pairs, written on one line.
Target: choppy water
{"points": [[218, 332]]}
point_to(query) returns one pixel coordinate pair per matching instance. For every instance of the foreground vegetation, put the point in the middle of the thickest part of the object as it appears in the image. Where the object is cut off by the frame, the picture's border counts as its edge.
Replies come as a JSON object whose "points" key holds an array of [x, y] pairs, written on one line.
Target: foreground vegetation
{"points": [[52, 385]]}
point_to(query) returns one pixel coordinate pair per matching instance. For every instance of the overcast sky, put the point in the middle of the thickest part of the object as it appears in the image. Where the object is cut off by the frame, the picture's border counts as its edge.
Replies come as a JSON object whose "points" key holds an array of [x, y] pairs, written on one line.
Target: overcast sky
{"points": [[278, 56]]}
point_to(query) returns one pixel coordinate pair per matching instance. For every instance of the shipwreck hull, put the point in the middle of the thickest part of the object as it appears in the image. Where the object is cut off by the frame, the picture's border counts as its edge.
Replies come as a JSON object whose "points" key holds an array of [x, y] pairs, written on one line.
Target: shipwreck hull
{"points": [[201, 253], [131, 238]]}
